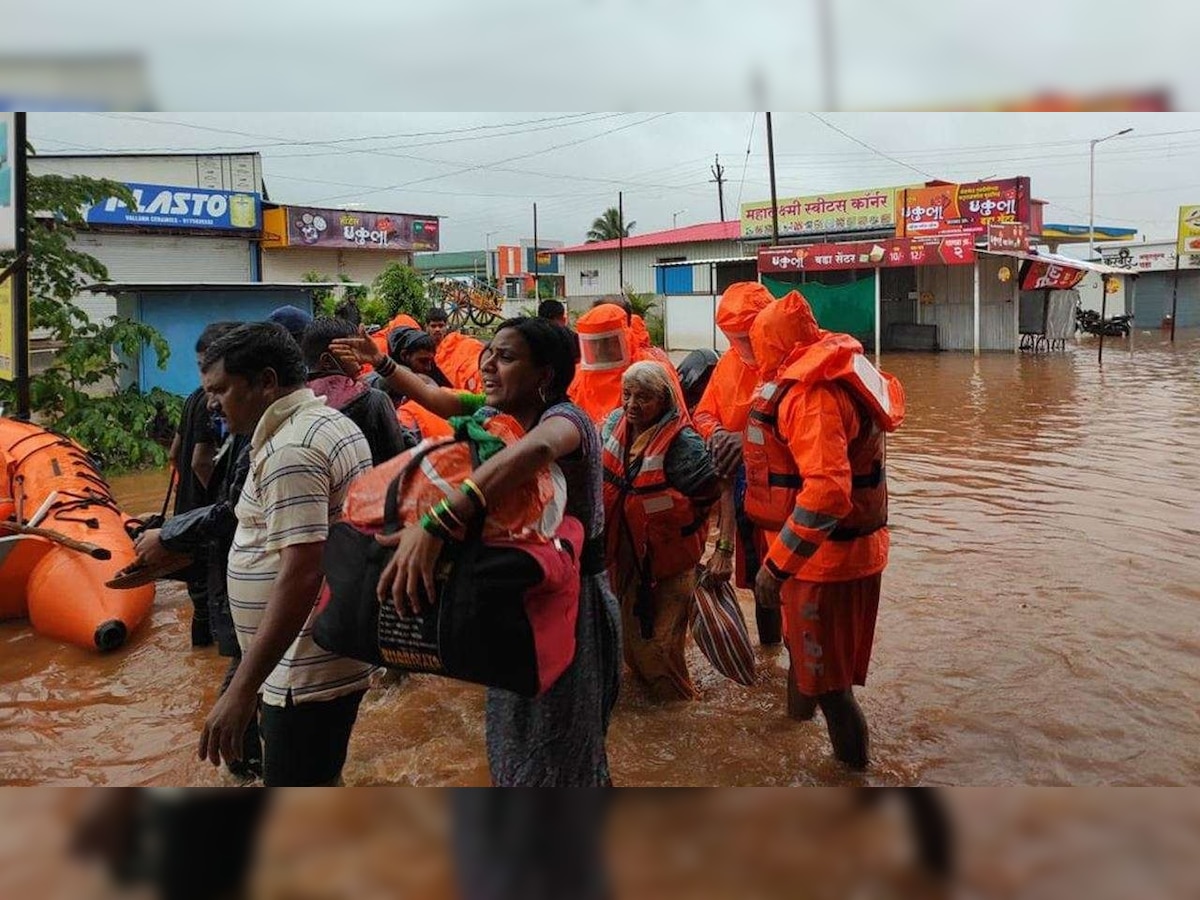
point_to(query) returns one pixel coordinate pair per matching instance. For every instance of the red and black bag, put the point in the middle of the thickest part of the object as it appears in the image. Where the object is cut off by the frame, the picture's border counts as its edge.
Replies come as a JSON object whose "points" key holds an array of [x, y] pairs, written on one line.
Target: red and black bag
{"points": [[505, 613]]}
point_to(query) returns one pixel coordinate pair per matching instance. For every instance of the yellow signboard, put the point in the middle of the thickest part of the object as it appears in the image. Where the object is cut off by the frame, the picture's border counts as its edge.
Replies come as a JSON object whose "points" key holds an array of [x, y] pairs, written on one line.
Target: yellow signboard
{"points": [[8, 331], [846, 211], [1189, 230]]}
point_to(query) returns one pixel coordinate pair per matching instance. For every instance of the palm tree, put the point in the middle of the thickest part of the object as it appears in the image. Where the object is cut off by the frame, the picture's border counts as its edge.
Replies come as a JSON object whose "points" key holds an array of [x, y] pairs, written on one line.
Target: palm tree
{"points": [[608, 227]]}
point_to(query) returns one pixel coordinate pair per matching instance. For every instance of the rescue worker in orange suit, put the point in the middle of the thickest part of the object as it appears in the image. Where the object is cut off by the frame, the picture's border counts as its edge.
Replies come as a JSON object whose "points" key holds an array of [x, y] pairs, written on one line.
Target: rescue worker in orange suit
{"points": [[608, 345], [720, 417], [605, 352], [659, 485], [814, 454]]}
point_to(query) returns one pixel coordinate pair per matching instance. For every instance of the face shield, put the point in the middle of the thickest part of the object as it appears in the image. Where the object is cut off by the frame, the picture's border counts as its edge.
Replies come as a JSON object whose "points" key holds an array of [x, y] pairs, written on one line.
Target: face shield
{"points": [[741, 344], [600, 352]]}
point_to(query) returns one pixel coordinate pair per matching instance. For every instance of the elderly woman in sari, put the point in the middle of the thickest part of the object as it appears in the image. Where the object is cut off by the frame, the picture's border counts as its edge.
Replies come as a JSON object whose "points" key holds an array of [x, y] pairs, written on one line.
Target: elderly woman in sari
{"points": [[659, 485]]}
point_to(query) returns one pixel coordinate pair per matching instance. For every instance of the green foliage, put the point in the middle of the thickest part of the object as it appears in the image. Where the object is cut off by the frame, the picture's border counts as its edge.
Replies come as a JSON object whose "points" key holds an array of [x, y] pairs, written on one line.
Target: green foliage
{"points": [[641, 304], [402, 290], [545, 290], [374, 311], [608, 226], [324, 299], [115, 427]]}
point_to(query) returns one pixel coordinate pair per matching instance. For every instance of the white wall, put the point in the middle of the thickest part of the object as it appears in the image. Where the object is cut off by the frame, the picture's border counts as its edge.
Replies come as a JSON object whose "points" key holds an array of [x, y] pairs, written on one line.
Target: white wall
{"points": [[691, 323], [1090, 295], [639, 267], [363, 266], [224, 171]]}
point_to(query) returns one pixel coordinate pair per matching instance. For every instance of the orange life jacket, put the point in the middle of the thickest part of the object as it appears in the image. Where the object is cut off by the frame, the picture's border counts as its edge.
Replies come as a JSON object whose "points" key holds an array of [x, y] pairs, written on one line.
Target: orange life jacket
{"points": [[413, 416], [529, 511], [458, 358], [772, 479], [663, 525]]}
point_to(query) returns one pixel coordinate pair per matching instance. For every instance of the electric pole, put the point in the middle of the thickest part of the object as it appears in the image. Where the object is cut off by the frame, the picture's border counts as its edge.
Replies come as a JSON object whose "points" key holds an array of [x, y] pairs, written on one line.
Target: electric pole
{"points": [[718, 172]]}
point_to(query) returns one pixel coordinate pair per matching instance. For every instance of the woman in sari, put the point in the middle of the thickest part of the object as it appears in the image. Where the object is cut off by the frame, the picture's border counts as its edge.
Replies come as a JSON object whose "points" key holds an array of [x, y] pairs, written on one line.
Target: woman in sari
{"points": [[557, 739]]}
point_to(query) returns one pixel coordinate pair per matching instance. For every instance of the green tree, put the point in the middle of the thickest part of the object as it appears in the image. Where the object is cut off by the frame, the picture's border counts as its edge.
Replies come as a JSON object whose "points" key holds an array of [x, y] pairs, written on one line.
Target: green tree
{"points": [[608, 226], [72, 395], [324, 299], [403, 290], [645, 305]]}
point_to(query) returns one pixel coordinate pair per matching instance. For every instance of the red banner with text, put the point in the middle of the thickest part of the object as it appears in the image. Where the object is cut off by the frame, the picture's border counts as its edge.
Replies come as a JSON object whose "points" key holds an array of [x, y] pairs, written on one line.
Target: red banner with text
{"points": [[948, 251]]}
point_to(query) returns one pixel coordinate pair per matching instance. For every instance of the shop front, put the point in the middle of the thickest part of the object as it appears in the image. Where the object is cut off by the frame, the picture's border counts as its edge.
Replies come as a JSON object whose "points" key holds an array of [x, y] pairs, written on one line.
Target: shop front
{"points": [[340, 243]]}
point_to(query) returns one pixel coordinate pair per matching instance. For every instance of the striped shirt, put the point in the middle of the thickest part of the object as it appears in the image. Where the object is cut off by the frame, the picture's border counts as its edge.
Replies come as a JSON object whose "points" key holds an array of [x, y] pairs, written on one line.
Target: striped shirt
{"points": [[303, 456]]}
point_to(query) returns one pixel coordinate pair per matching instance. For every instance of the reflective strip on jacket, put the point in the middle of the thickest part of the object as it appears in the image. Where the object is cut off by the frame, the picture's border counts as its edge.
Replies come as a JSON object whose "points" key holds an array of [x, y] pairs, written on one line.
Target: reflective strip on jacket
{"points": [[662, 523]]}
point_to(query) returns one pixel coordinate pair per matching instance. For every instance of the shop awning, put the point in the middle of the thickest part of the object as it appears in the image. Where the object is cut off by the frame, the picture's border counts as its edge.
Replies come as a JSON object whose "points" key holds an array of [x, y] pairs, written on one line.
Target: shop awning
{"points": [[1058, 259]]}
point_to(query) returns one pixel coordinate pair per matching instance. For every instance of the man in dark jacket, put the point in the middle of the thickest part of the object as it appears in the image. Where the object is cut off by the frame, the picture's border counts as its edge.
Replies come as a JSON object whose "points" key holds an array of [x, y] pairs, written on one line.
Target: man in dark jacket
{"points": [[367, 407]]}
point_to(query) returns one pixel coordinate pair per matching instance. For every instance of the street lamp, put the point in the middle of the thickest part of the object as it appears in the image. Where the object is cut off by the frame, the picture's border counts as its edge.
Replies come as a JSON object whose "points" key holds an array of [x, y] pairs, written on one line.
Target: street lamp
{"points": [[1092, 187], [675, 217], [487, 253]]}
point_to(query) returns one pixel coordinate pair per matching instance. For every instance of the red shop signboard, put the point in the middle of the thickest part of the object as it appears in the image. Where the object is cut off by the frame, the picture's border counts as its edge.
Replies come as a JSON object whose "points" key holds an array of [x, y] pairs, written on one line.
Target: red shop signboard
{"points": [[1046, 276], [947, 251], [962, 208]]}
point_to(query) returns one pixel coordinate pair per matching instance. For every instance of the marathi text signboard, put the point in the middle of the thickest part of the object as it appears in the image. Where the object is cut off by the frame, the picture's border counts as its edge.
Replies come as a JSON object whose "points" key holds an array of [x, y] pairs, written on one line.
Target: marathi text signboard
{"points": [[1189, 230], [167, 206], [8, 331], [346, 229], [1008, 236], [1047, 276], [963, 208], [847, 211], [8, 210], [949, 251]]}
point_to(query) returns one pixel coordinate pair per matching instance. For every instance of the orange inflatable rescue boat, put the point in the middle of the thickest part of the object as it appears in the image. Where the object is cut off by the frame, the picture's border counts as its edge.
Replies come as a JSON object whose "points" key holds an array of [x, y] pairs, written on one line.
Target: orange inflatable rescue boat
{"points": [[56, 579]]}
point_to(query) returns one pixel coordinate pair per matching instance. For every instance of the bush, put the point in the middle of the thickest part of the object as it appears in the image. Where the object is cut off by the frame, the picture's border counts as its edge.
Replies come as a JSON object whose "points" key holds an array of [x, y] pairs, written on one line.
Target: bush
{"points": [[402, 289], [120, 430], [374, 311]]}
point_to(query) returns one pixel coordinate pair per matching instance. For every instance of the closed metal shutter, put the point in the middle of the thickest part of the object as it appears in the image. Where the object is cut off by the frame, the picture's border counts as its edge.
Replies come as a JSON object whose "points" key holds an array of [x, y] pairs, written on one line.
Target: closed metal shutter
{"points": [[153, 257]]}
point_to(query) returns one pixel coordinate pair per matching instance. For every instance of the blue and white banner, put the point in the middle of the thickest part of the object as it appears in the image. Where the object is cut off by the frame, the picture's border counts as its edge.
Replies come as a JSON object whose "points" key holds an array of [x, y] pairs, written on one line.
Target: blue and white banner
{"points": [[165, 206]]}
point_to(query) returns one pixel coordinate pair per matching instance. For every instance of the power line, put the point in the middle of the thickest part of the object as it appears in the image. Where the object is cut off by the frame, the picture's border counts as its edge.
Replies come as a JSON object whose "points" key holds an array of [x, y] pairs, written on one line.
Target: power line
{"points": [[878, 152], [746, 161], [499, 162], [153, 120]]}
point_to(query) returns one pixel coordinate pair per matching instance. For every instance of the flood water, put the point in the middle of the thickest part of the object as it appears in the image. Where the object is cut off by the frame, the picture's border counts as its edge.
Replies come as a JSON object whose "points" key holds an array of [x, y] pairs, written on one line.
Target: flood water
{"points": [[1039, 623]]}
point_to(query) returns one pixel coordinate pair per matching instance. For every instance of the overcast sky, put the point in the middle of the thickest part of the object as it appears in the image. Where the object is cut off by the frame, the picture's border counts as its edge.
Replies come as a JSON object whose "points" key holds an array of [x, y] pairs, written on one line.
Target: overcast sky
{"points": [[483, 172]]}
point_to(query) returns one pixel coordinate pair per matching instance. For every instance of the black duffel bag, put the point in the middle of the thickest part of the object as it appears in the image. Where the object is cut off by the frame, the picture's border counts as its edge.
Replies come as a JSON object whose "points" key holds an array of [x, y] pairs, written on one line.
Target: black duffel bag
{"points": [[505, 613]]}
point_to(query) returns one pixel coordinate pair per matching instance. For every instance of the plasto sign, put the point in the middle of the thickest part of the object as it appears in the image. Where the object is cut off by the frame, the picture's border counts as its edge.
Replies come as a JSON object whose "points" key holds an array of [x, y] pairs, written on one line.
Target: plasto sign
{"points": [[165, 206]]}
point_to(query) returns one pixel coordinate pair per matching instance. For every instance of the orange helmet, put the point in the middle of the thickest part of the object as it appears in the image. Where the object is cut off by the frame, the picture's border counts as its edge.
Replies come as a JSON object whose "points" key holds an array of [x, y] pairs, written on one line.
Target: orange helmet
{"points": [[739, 307]]}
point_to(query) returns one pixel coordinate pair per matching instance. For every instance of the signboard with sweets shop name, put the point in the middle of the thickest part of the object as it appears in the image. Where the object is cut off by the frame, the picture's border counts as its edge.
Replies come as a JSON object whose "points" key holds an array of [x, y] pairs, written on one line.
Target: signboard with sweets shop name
{"points": [[948, 251], [963, 208], [847, 211], [350, 229]]}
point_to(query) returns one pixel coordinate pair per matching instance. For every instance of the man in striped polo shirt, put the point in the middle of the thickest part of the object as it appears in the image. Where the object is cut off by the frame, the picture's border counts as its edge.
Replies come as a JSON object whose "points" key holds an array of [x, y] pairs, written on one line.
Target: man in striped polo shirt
{"points": [[303, 456]]}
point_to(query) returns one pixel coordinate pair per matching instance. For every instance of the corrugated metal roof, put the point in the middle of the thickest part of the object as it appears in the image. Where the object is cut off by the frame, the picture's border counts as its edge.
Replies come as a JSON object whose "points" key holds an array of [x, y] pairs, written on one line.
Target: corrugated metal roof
{"points": [[690, 234], [705, 262], [109, 287]]}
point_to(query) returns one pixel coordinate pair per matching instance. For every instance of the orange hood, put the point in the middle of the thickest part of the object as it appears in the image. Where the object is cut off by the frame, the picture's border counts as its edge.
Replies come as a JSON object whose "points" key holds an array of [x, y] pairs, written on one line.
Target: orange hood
{"points": [[739, 307], [781, 332]]}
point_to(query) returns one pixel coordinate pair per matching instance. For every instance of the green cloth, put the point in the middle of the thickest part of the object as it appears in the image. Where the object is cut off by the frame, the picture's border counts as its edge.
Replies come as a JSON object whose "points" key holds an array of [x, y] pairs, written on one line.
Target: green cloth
{"points": [[471, 427], [471, 403], [848, 308]]}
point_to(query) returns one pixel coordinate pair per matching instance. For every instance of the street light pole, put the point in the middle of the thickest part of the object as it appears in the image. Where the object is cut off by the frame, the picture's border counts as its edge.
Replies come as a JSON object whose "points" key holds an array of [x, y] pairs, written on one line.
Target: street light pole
{"points": [[1092, 187], [675, 217], [487, 254]]}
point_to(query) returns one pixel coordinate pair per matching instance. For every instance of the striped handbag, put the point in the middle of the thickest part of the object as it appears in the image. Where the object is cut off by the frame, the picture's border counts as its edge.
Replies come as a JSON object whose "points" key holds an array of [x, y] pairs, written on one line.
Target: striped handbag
{"points": [[719, 630]]}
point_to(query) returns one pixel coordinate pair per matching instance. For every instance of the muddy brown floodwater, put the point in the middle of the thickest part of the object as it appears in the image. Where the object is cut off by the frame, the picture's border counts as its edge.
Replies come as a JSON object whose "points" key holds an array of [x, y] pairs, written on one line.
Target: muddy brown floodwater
{"points": [[1040, 622]]}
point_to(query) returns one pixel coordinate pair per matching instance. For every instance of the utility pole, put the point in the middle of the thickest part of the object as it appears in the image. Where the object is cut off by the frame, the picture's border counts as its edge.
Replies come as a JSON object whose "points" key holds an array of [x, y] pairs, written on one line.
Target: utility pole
{"points": [[774, 199], [718, 172], [20, 276], [535, 256]]}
